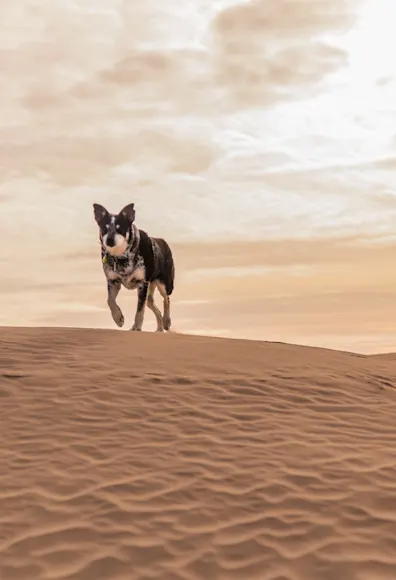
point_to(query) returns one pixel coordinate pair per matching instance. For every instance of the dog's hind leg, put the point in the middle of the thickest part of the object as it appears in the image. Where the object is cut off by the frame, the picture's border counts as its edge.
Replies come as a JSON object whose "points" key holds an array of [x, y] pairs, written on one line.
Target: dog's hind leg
{"points": [[151, 304], [113, 288], [165, 296], [142, 297]]}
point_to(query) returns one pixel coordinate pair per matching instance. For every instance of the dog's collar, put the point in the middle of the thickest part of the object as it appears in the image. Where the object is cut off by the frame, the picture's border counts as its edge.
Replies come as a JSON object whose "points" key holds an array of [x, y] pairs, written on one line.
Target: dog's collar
{"points": [[113, 261]]}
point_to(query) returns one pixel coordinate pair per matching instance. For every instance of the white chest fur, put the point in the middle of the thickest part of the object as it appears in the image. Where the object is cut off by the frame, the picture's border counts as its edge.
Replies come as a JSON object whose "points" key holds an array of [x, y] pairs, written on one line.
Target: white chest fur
{"points": [[133, 279], [130, 277]]}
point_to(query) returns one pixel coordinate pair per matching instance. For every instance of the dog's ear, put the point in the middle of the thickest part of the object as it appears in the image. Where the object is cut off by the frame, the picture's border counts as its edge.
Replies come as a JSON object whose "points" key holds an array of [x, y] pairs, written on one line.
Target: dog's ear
{"points": [[100, 212], [129, 212]]}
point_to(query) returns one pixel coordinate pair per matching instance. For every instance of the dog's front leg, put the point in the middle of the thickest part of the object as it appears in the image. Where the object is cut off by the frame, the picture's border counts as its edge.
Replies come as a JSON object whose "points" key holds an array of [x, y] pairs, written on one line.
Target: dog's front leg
{"points": [[142, 297], [113, 288]]}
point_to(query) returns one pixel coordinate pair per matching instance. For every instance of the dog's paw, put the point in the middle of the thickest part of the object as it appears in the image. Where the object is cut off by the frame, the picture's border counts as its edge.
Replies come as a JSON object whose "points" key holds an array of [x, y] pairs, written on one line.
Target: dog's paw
{"points": [[118, 317], [136, 327]]}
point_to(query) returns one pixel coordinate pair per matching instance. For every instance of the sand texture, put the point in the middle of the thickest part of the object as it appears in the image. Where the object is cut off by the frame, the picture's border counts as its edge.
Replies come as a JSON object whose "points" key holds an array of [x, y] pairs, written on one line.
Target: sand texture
{"points": [[127, 456]]}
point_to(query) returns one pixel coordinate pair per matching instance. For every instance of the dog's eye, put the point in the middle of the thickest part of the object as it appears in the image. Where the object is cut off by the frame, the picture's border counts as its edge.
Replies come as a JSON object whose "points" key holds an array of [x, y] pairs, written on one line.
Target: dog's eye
{"points": [[117, 227], [107, 226]]}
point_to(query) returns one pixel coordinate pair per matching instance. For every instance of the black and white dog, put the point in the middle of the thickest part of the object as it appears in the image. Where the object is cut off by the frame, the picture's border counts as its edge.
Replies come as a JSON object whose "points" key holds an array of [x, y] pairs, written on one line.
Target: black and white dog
{"points": [[133, 259]]}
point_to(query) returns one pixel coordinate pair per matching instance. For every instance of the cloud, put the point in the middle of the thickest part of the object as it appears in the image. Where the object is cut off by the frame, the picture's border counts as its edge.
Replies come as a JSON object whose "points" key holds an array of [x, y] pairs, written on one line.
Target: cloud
{"points": [[265, 51], [165, 82], [73, 160], [76, 67], [116, 101]]}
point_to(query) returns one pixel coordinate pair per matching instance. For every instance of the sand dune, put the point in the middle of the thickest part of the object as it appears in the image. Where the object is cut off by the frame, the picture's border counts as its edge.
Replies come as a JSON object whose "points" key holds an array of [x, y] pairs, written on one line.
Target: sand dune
{"points": [[128, 456]]}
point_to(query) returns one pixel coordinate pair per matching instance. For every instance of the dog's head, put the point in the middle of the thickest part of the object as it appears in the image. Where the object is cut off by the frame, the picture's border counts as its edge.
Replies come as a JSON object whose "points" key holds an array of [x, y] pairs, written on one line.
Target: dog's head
{"points": [[115, 229]]}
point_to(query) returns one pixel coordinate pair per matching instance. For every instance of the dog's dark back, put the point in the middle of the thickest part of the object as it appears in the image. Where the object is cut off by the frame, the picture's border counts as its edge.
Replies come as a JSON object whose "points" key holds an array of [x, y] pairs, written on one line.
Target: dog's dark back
{"points": [[158, 260]]}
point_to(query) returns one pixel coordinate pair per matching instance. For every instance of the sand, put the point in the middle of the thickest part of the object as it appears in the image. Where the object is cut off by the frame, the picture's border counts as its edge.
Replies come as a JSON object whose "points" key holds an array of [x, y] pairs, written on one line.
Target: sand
{"points": [[142, 456]]}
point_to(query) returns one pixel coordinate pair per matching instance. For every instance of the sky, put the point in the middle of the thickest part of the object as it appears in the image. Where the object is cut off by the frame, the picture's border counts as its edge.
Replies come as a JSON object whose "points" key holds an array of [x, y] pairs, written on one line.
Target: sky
{"points": [[257, 137]]}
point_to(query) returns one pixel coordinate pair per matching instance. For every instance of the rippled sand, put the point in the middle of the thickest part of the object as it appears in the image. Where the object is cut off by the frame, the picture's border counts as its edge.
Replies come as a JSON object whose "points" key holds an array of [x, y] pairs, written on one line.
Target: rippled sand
{"points": [[126, 457]]}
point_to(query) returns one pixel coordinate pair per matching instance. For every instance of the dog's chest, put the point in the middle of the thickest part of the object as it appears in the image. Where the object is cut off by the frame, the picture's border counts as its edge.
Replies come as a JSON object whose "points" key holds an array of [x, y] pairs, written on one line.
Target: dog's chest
{"points": [[130, 273]]}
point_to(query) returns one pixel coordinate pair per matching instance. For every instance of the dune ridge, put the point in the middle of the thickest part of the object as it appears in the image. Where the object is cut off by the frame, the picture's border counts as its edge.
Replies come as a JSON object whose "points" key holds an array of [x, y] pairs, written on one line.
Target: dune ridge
{"points": [[140, 456]]}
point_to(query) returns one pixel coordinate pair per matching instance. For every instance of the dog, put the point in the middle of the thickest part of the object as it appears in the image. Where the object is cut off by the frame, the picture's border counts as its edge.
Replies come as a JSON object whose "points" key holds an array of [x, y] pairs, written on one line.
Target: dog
{"points": [[133, 259]]}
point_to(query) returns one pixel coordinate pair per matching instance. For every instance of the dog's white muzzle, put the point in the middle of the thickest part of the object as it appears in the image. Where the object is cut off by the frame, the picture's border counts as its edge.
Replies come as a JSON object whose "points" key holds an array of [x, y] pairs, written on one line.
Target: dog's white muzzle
{"points": [[119, 248]]}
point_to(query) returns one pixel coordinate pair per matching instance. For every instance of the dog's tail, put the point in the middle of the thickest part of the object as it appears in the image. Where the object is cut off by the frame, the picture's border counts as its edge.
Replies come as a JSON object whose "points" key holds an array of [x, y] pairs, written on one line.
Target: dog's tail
{"points": [[169, 270]]}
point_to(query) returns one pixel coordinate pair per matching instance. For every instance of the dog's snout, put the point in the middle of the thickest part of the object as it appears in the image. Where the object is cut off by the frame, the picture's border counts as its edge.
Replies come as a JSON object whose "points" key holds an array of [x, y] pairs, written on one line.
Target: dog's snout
{"points": [[110, 242]]}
